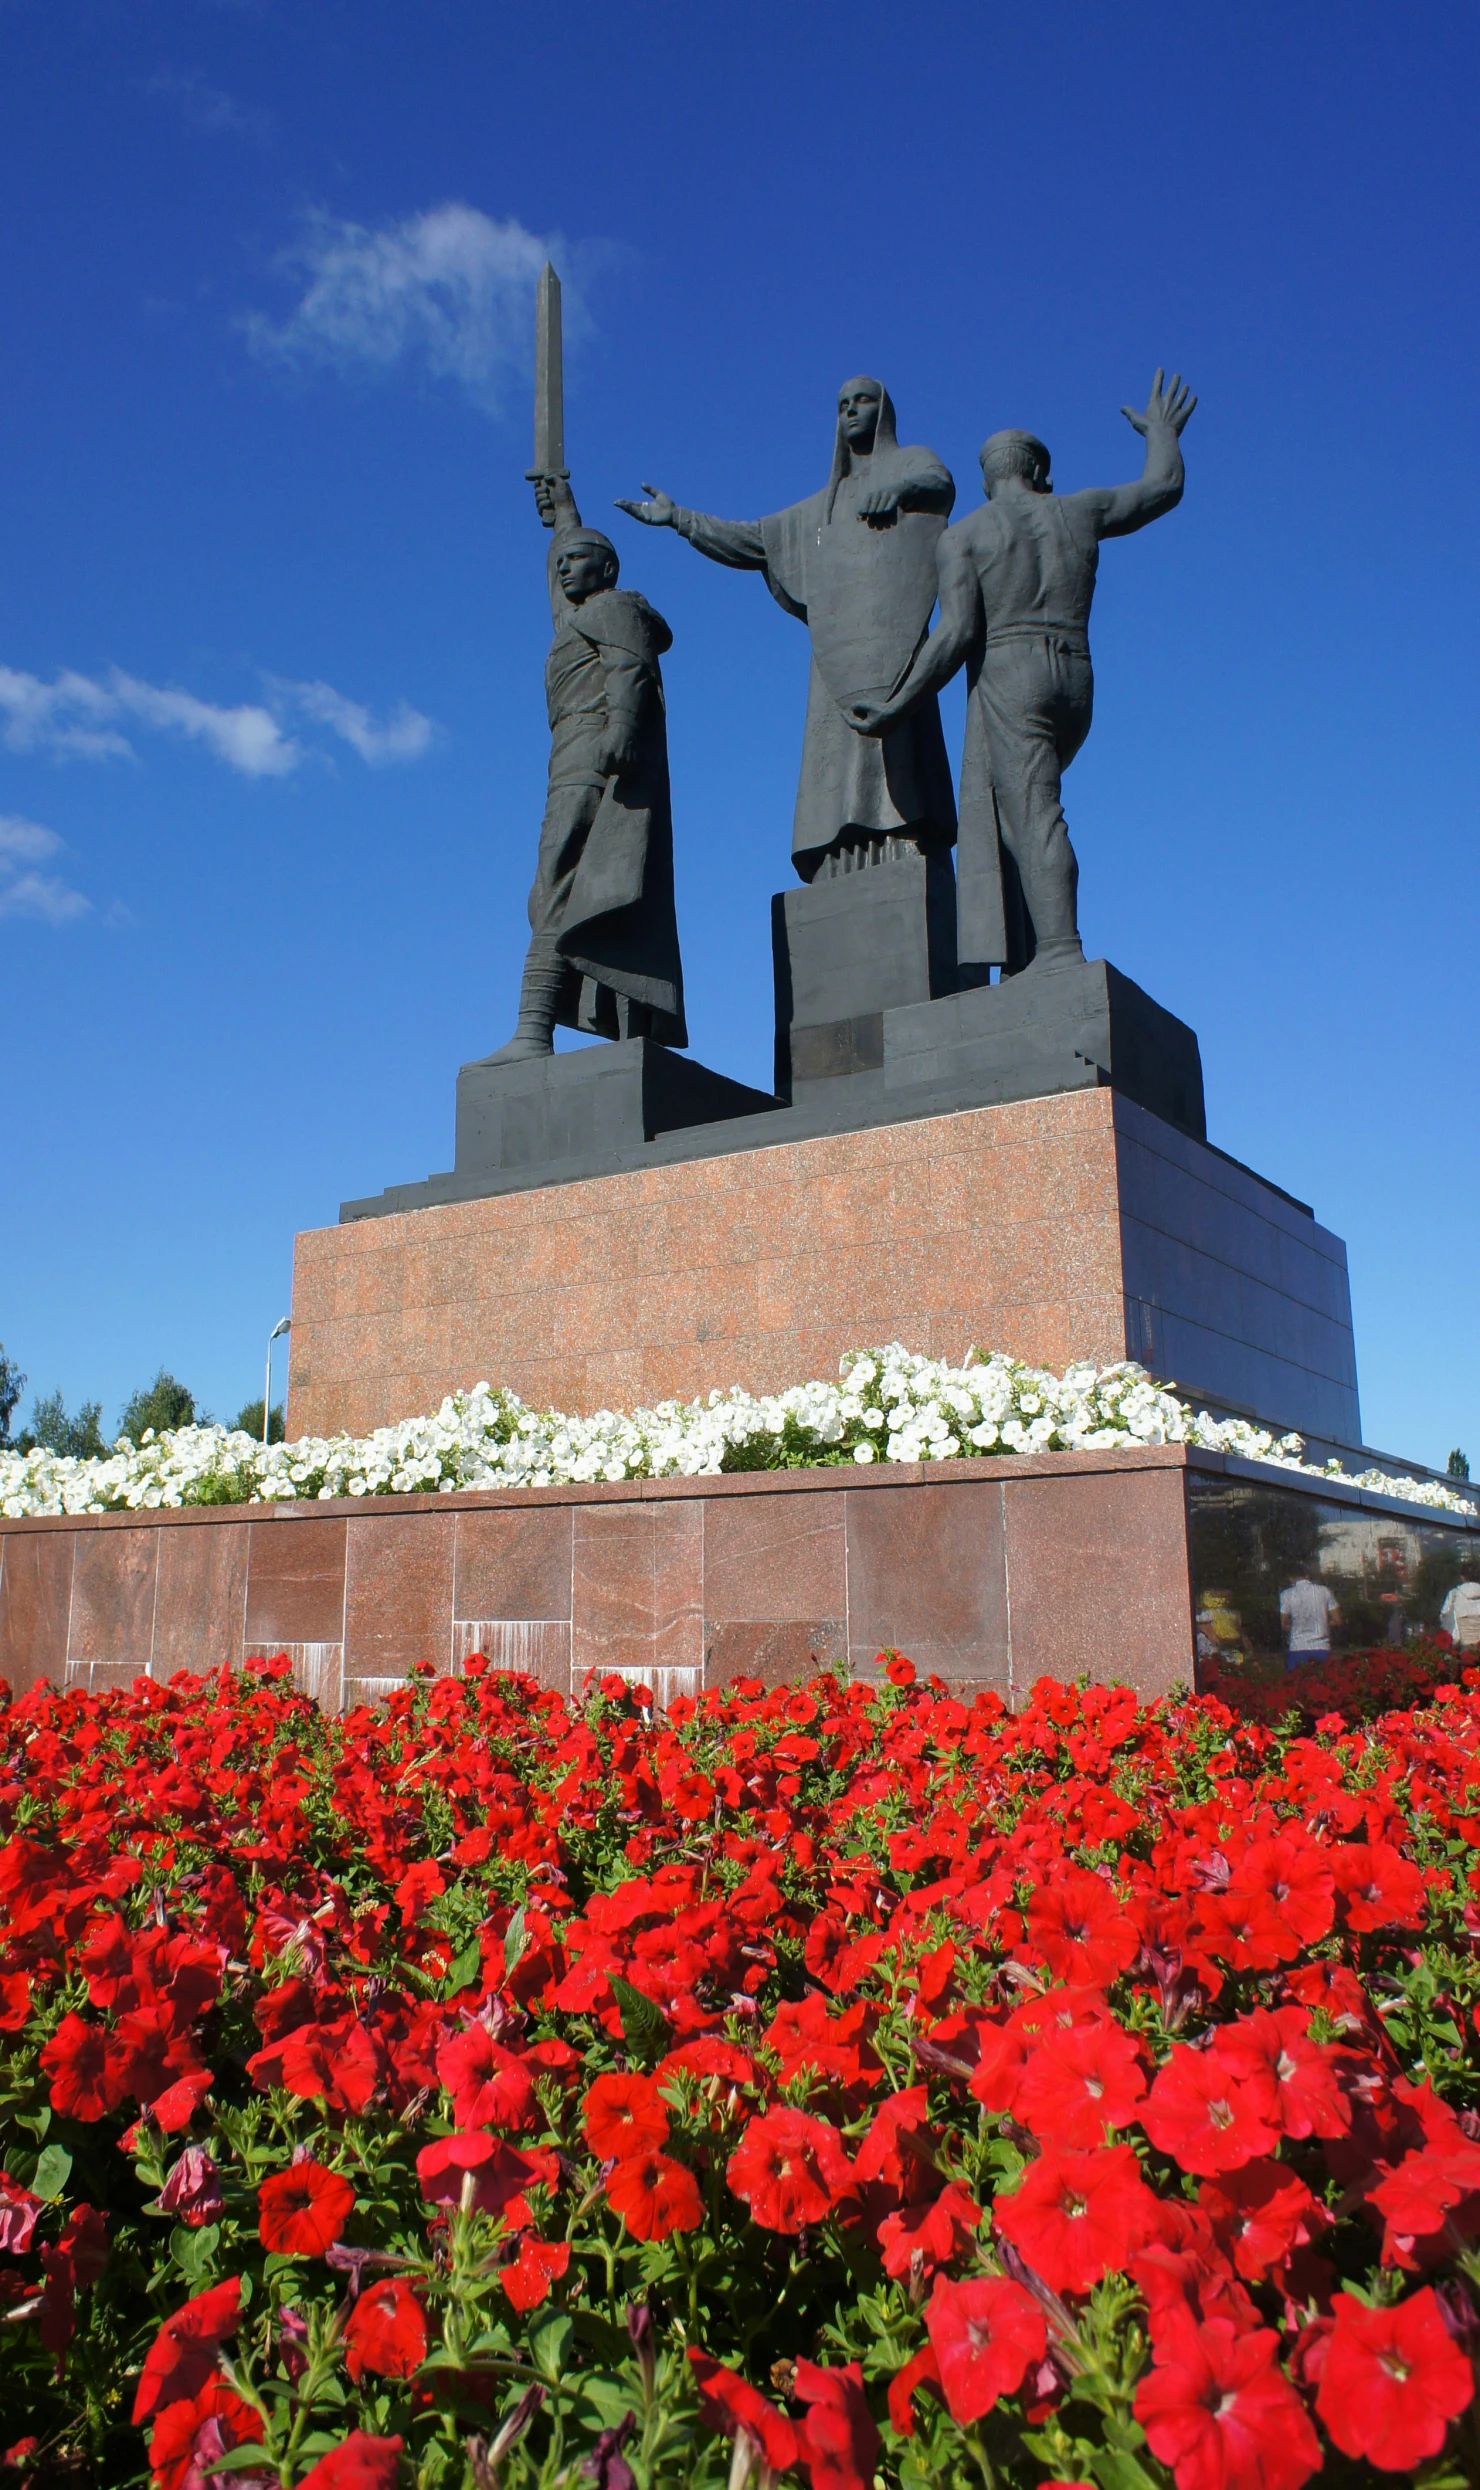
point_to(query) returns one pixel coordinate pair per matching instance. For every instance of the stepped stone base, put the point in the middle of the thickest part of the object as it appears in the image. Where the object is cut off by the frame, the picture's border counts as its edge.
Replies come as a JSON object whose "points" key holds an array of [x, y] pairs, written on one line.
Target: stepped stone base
{"points": [[1075, 1225]]}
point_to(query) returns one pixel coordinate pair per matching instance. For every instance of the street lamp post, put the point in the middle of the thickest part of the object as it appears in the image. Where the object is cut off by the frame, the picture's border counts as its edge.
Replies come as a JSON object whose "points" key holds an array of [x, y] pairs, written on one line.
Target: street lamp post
{"points": [[276, 1333]]}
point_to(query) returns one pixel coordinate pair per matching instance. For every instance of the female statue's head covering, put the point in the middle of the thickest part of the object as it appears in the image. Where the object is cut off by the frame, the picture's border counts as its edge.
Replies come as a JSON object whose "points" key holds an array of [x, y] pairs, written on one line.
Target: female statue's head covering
{"points": [[885, 436]]}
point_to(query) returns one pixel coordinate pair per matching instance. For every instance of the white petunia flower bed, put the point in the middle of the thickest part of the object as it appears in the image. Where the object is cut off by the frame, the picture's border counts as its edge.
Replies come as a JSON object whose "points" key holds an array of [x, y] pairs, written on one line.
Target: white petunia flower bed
{"points": [[888, 1405]]}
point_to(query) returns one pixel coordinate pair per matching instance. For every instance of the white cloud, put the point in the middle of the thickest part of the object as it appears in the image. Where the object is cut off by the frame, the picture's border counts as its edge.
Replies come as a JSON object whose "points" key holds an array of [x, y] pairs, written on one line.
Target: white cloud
{"points": [[24, 893], [81, 717], [208, 108], [449, 290], [404, 736]]}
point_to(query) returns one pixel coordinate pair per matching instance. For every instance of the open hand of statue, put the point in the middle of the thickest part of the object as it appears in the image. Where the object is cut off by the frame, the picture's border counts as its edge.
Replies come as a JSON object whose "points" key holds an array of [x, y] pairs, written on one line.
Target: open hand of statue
{"points": [[656, 511], [1170, 406], [869, 717]]}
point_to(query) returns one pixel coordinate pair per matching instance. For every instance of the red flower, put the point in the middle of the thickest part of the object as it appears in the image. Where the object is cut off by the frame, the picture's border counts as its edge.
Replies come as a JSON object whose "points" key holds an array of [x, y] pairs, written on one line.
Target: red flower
{"points": [[1219, 2411], [1259, 2214], [489, 2086], [654, 2195], [922, 2370], [934, 2232], [728, 2402], [1293, 1879], [1079, 1928], [1076, 2216], [1381, 1888], [481, 2171], [303, 2209], [539, 2264], [790, 2169], [1289, 2078], [183, 2354], [898, 1670], [88, 2069], [387, 2332], [624, 2114], [1393, 2380], [188, 2434], [1203, 2117], [359, 2462], [1078, 2083], [840, 2444], [897, 2148], [986, 2335], [1419, 2197]]}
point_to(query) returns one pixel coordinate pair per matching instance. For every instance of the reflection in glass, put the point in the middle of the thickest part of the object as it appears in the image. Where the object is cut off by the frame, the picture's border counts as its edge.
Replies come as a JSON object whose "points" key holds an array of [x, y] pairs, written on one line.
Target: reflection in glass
{"points": [[1368, 1577]]}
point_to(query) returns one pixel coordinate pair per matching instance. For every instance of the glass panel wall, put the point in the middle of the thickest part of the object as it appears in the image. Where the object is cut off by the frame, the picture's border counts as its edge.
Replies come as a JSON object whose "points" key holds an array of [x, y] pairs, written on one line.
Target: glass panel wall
{"points": [[1281, 1576]]}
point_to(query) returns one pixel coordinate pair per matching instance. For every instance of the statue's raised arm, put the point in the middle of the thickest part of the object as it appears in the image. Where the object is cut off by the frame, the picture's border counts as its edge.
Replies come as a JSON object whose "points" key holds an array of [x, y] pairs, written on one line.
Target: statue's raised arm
{"points": [[1122, 508]]}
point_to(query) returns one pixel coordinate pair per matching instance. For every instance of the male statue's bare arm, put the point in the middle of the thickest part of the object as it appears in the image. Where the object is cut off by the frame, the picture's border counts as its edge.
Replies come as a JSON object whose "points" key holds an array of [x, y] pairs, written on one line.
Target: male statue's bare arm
{"points": [[1120, 509], [949, 644]]}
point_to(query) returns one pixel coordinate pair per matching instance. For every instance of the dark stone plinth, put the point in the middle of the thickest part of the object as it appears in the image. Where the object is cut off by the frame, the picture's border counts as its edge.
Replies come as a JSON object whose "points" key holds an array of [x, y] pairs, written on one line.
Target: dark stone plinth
{"points": [[611, 1108], [853, 945], [588, 1112], [1046, 1031]]}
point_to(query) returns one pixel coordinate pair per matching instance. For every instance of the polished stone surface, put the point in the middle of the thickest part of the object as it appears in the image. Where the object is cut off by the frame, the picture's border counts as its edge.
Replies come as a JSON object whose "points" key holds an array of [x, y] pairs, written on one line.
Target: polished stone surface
{"points": [[987, 1572]]}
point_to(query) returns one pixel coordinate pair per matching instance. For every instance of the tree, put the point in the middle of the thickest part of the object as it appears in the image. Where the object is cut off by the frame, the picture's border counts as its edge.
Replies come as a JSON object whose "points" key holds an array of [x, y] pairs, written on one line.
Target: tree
{"points": [[1459, 1464], [163, 1405], [80, 1437], [12, 1385], [249, 1419]]}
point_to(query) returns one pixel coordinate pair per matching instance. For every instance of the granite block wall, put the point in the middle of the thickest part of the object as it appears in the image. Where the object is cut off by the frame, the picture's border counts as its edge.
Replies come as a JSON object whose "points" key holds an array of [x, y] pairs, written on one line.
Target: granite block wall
{"points": [[988, 1573], [1073, 1226]]}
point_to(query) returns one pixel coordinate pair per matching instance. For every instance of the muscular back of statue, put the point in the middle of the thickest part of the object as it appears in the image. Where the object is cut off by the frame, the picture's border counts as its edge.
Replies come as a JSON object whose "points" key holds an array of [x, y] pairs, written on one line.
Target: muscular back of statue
{"points": [[1017, 580]]}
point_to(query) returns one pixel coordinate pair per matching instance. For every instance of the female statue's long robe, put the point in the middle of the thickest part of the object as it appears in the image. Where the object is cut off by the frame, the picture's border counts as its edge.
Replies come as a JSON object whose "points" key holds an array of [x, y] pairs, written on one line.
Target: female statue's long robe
{"points": [[865, 589]]}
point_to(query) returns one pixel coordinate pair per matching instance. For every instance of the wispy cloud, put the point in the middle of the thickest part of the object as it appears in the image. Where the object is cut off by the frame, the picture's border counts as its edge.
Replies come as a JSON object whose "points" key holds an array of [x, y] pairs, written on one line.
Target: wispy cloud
{"points": [[23, 891], [79, 716], [207, 108], [449, 292], [404, 735]]}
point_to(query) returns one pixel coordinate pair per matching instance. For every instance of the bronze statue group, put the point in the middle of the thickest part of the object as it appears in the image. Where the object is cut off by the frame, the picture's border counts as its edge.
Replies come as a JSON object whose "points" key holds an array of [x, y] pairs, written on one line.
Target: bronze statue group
{"points": [[863, 563]]}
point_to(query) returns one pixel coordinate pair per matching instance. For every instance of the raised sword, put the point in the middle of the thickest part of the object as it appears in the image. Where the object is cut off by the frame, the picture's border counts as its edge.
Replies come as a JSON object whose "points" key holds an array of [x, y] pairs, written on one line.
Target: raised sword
{"points": [[549, 382]]}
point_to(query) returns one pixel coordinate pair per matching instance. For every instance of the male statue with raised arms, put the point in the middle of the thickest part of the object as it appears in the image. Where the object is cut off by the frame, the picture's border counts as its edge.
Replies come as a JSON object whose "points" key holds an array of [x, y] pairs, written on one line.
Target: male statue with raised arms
{"points": [[1016, 582]]}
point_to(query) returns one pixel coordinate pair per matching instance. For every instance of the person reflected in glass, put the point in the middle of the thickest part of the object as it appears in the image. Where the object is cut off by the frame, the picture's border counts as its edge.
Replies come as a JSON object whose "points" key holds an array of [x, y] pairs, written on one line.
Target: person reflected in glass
{"points": [[1460, 1614], [1308, 1612]]}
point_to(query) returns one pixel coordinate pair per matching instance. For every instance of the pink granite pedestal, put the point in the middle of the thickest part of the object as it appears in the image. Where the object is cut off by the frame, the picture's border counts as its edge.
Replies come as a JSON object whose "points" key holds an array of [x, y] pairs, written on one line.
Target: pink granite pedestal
{"points": [[1073, 1226]]}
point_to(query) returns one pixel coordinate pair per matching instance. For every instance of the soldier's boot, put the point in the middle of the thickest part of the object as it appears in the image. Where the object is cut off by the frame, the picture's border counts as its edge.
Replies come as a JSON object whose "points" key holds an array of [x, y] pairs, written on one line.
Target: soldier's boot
{"points": [[539, 1001]]}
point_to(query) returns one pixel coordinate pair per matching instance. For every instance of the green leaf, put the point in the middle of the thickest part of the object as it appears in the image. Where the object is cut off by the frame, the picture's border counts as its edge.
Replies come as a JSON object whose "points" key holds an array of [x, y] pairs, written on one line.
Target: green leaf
{"points": [[195, 2251], [609, 2400], [515, 1941], [250, 2458], [53, 2170], [644, 2028], [463, 1967], [550, 2343]]}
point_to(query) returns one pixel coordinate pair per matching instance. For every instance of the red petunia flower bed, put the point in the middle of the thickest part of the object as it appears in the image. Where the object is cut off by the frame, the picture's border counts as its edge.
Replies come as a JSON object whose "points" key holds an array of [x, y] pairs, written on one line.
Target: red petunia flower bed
{"points": [[841, 2083]]}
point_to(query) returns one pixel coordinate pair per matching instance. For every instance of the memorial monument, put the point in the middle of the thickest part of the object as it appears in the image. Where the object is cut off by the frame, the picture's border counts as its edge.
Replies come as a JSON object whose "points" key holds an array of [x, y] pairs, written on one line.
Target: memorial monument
{"points": [[975, 1133]]}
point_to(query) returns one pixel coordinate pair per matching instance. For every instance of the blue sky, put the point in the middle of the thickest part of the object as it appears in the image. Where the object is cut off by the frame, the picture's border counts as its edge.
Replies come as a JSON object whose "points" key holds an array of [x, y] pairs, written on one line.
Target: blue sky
{"points": [[272, 616]]}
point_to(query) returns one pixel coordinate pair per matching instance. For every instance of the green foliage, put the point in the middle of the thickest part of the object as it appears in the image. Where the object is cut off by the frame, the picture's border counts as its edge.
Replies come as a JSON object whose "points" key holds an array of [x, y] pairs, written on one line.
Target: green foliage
{"points": [[80, 1437], [1458, 1464], [163, 1405], [12, 1385], [249, 1419]]}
